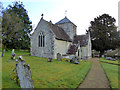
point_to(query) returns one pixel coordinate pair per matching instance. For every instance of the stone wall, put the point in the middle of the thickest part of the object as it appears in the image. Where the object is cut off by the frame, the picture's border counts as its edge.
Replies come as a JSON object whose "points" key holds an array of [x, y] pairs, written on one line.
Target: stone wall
{"points": [[69, 28], [83, 53], [60, 47], [79, 51], [48, 50]]}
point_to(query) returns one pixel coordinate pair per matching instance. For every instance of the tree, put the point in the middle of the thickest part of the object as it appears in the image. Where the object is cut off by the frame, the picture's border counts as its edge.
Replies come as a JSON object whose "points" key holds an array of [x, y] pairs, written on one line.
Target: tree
{"points": [[0, 23], [16, 27], [103, 31]]}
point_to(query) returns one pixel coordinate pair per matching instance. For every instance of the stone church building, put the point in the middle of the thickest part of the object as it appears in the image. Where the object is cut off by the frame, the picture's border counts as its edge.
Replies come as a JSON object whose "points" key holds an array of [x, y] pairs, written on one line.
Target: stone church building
{"points": [[49, 39]]}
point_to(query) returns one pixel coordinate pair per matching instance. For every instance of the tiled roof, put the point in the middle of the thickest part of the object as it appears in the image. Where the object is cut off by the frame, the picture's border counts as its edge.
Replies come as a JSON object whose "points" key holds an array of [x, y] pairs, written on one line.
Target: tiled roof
{"points": [[83, 39], [59, 32], [64, 20], [72, 49]]}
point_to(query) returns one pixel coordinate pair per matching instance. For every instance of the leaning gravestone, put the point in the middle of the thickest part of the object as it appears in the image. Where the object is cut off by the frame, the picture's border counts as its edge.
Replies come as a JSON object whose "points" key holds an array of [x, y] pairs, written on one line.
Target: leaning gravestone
{"points": [[58, 56], [3, 53], [13, 54], [24, 74]]}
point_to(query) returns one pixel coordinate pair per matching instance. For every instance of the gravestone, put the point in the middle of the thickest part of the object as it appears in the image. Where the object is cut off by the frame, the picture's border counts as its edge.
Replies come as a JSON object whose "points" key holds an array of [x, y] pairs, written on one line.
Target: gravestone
{"points": [[58, 56], [75, 60], [49, 59], [3, 53], [24, 74], [13, 54], [102, 56]]}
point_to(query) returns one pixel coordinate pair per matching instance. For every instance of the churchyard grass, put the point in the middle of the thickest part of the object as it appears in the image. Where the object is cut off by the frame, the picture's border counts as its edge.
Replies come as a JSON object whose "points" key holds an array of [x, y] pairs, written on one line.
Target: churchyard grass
{"points": [[55, 74], [0, 71], [117, 62], [112, 74]]}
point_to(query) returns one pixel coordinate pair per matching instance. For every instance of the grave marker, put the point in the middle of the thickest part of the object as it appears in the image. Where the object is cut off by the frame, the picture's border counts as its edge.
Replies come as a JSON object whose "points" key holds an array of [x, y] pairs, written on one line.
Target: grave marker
{"points": [[58, 56], [13, 54], [24, 74], [3, 53]]}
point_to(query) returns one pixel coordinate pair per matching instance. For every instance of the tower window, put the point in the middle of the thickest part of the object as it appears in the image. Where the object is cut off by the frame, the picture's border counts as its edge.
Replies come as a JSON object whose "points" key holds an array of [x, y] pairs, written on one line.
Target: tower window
{"points": [[41, 40]]}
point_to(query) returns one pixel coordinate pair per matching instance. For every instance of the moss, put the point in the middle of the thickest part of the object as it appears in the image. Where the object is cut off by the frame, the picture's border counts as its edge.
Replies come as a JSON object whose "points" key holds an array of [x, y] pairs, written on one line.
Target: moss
{"points": [[65, 59], [14, 76]]}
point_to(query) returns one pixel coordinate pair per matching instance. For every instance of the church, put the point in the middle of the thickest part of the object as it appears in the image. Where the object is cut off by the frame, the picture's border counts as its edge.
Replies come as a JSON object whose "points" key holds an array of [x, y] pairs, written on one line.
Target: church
{"points": [[49, 39]]}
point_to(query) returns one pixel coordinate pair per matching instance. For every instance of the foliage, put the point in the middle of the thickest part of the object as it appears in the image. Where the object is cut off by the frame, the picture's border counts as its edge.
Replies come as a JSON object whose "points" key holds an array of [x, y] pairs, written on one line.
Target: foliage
{"points": [[117, 62], [103, 33], [16, 27], [45, 74], [65, 59], [0, 24], [112, 74], [14, 76]]}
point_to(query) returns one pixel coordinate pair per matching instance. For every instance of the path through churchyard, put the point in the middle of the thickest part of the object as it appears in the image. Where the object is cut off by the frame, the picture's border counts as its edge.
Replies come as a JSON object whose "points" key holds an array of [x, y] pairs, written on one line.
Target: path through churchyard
{"points": [[96, 77]]}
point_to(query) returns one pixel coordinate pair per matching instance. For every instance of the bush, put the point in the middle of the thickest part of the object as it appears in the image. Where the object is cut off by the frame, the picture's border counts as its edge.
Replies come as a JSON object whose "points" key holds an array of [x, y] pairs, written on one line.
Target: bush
{"points": [[113, 56], [14, 76]]}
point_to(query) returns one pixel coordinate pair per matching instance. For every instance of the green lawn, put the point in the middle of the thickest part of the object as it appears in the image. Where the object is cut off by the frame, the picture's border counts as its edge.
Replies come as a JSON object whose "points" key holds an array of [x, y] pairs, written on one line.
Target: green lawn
{"points": [[110, 61], [112, 73], [56, 74], [0, 72]]}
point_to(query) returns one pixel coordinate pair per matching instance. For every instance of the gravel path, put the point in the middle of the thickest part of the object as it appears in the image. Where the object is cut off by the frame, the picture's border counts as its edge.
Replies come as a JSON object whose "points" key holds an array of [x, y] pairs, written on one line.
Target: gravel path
{"points": [[96, 77]]}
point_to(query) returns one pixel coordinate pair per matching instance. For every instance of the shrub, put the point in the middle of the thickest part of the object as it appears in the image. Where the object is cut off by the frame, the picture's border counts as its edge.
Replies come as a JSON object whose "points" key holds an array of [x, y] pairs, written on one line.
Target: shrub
{"points": [[14, 76]]}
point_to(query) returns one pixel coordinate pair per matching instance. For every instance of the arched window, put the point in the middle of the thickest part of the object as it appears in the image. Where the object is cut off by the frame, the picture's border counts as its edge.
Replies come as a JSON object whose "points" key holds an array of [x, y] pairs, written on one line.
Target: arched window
{"points": [[41, 40]]}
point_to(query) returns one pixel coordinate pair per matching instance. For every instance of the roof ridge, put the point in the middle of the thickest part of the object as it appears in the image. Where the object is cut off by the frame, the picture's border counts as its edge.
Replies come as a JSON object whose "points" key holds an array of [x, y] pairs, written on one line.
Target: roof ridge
{"points": [[64, 20], [58, 33]]}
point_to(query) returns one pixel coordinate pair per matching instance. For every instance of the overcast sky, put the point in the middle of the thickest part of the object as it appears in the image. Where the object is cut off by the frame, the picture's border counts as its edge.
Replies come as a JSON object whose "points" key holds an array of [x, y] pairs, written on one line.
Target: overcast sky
{"points": [[80, 12]]}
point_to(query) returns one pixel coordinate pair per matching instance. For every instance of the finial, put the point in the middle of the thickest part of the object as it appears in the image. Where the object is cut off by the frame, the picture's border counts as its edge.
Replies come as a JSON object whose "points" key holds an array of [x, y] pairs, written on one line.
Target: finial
{"points": [[42, 15], [65, 13]]}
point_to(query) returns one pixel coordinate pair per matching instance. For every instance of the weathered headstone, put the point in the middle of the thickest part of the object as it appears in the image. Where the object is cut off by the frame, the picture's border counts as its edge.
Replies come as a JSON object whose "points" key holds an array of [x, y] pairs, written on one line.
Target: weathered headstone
{"points": [[13, 54], [75, 60], [49, 59], [102, 56], [24, 74], [58, 56], [3, 53]]}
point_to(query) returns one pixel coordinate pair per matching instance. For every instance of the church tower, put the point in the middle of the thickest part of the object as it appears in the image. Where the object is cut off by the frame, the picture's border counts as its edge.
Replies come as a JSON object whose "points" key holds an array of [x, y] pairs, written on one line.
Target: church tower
{"points": [[68, 27]]}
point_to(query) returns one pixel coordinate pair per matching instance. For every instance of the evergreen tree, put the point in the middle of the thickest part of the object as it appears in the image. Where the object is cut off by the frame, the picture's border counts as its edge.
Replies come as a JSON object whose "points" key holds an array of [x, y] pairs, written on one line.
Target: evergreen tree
{"points": [[16, 27], [104, 33]]}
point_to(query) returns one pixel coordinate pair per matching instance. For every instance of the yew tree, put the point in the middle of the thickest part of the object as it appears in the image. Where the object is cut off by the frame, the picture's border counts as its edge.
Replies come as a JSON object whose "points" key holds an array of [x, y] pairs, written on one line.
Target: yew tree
{"points": [[16, 27], [103, 32]]}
